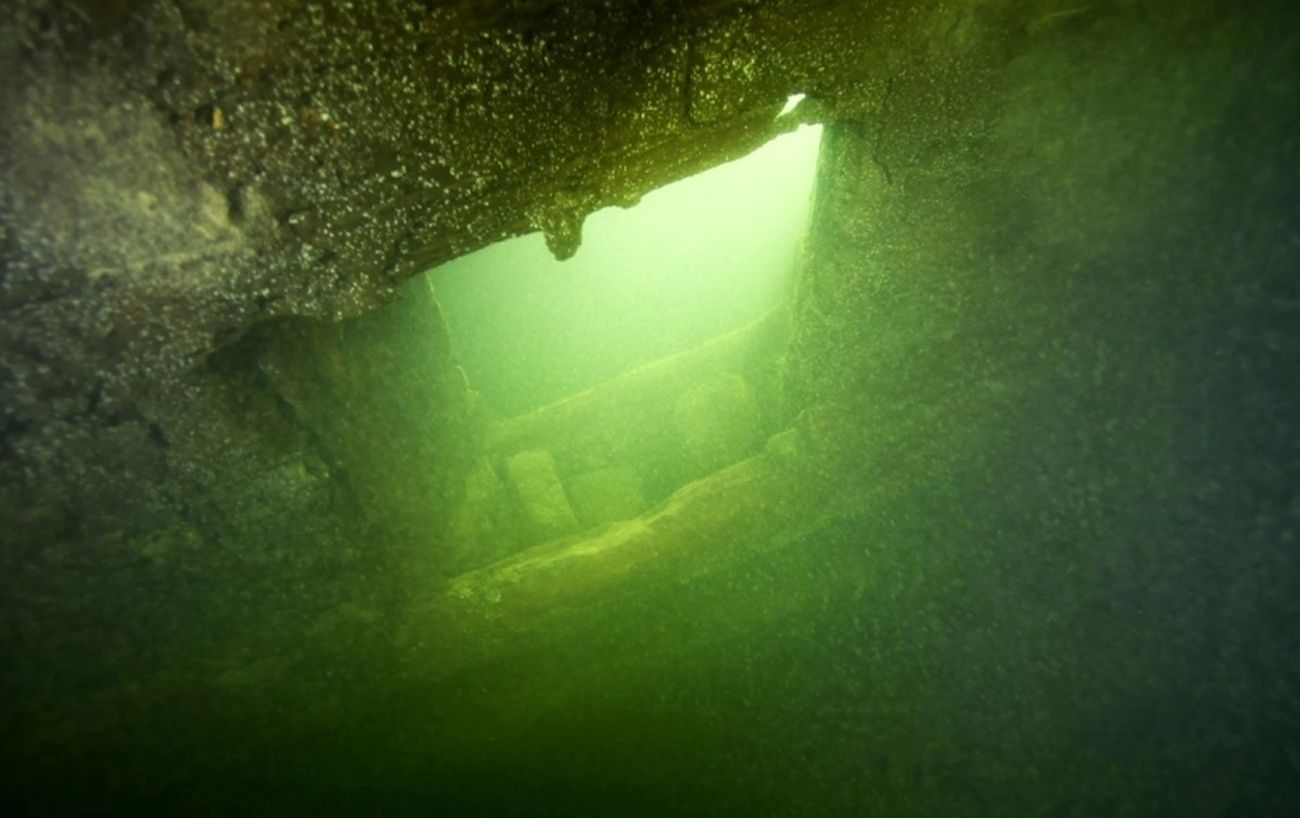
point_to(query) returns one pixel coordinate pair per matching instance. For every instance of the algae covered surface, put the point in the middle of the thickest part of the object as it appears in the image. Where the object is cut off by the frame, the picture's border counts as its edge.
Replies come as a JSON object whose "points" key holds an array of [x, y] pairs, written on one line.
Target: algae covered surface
{"points": [[983, 502]]}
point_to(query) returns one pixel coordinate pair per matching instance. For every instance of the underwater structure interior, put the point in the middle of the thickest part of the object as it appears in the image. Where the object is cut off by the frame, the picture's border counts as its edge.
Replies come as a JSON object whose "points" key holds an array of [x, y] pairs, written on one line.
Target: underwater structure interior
{"points": [[984, 501]]}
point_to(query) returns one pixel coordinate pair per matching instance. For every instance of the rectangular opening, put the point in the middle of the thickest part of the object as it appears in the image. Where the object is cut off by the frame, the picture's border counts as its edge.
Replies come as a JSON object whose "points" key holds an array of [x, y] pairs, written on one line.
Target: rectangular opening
{"points": [[692, 261]]}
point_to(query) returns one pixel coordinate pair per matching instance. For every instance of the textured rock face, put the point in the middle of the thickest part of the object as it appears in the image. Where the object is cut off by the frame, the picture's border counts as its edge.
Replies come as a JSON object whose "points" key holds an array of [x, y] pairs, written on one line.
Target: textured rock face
{"points": [[385, 407], [1046, 319], [541, 496]]}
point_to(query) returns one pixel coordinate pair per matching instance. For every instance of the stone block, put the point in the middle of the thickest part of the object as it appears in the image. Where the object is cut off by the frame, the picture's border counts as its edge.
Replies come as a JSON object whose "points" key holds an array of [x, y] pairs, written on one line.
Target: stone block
{"points": [[483, 528], [543, 504]]}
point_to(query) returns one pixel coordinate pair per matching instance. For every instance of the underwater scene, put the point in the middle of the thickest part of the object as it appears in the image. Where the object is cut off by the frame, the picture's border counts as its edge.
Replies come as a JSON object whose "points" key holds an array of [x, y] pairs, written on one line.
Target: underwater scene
{"points": [[779, 408]]}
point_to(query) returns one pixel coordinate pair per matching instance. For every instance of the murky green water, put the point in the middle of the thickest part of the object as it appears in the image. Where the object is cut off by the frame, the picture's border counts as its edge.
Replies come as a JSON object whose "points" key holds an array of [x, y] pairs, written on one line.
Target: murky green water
{"points": [[687, 263], [962, 483]]}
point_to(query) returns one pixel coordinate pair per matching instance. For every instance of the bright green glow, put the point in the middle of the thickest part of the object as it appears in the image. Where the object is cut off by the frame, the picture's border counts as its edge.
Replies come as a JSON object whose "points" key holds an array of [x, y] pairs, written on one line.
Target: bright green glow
{"points": [[791, 103], [691, 261]]}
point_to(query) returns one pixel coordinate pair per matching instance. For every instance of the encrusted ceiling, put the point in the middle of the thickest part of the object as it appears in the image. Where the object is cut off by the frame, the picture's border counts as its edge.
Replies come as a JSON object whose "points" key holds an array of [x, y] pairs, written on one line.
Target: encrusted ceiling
{"points": [[175, 172]]}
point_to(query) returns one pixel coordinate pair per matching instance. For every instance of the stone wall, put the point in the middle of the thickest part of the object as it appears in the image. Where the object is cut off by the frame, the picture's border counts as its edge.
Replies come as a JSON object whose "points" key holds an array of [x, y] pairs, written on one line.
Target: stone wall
{"points": [[1048, 325]]}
